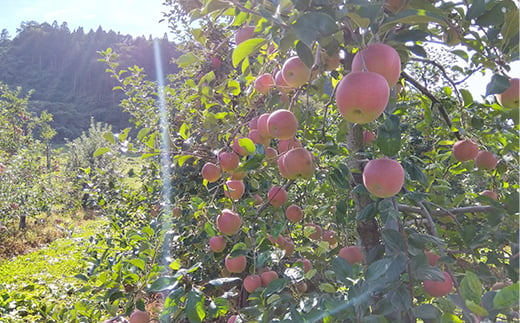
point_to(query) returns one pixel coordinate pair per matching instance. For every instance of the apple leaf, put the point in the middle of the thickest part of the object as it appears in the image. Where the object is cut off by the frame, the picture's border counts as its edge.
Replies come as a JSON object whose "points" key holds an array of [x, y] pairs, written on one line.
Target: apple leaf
{"points": [[109, 136], [471, 287], [101, 151], [311, 26], [275, 286], [476, 9], [507, 296], [413, 17], [305, 53], [393, 240], [427, 312], [163, 283], [498, 84], [247, 144], [389, 136], [342, 269], [477, 309], [221, 281], [245, 49], [195, 307]]}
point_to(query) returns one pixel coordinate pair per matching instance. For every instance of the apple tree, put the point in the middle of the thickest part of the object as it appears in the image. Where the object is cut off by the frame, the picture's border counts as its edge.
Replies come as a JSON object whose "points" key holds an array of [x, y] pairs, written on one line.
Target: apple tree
{"points": [[329, 163]]}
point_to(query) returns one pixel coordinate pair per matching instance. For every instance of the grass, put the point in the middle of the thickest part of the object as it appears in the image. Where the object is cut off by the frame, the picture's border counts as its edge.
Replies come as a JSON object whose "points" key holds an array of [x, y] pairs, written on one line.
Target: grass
{"points": [[42, 282]]}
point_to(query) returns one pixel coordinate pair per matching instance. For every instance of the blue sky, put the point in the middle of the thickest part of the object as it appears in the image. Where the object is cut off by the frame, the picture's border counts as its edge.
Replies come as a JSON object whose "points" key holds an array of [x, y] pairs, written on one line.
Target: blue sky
{"points": [[134, 17]]}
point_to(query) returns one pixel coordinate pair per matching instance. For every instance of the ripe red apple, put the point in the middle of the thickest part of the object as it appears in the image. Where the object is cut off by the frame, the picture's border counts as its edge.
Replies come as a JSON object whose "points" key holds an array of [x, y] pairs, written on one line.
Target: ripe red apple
{"points": [[217, 243], [298, 163], [314, 231], [491, 194], [368, 137], [282, 124], [361, 97], [464, 150], [268, 276], [244, 33], [258, 199], [252, 282], [439, 288], [509, 98], [288, 144], [216, 63], [295, 73], [281, 166], [330, 237], [210, 172], [432, 257], [257, 138], [379, 58], [228, 161], [383, 177], [228, 222], [237, 148], [280, 83], [271, 155], [288, 247], [253, 123], [264, 83], [352, 254], [485, 160], [306, 263], [138, 316], [263, 129], [234, 189], [294, 213], [235, 265], [232, 319], [14, 206], [277, 196]]}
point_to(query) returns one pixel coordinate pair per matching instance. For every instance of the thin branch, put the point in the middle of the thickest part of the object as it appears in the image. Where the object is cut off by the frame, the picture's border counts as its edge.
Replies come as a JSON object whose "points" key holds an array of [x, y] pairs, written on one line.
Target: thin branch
{"points": [[443, 72]]}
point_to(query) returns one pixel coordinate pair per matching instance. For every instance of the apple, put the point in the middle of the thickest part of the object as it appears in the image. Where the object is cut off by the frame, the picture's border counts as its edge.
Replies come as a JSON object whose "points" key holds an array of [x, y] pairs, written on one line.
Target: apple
{"points": [[288, 247], [210, 172], [330, 237], [298, 163], [232, 319], [234, 189], [252, 282], [217, 243], [491, 194], [294, 213], [281, 166], [244, 33], [177, 212], [432, 257], [288, 144], [264, 83], [277, 196], [236, 264], [282, 124], [313, 231], [262, 125], [280, 83], [485, 160], [258, 199], [306, 263], [464, 150], [253, 123], [295, 73], [237, 148], [228, 222], [257, 138], [271, 155], [268, 276], [438, 288], [301, 287], [228, 161], [381, 59], [352, 254], [361, 97], [383, 177], [509, 98], [368, 137], [216, 63], [138, 316]]}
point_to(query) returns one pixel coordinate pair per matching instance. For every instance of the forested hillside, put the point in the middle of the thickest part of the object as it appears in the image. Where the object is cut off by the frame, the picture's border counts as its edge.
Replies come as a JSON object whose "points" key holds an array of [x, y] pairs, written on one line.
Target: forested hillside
{"points": [[62, 68]]}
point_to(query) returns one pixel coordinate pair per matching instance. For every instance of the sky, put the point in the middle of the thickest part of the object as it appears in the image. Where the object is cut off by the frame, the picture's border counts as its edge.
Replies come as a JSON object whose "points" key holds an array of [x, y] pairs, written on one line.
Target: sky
{"points": [[134, 17]]}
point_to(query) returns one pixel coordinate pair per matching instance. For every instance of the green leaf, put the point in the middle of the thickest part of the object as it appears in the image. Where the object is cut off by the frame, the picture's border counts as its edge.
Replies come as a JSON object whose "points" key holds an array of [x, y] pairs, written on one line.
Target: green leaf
{"points": [[476, 9], [181, 159], [393, 240], [184, 131], [358, 20], [275, 286], [186, 60], [123, 135], [467, 97], [477, 309], [195, 307], [163, 283], [254, 162], [377, 269], [492, 17], [222, 281], [101, 151], [427, 312], [413, 17], [471, 287], [368, 212], [498, 84], [245, 49], [450, 318], [139, 263], [327, 288], [247, 144], [304, 53], [175, 264], [389, 136], [313, 25], [507, 297], [509, 29], [342, 269], [109, 136]]}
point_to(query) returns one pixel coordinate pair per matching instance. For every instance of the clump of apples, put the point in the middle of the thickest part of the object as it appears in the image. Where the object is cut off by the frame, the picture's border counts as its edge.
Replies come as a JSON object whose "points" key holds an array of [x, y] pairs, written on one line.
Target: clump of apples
{"points": [[383, 177], [439, 288]]}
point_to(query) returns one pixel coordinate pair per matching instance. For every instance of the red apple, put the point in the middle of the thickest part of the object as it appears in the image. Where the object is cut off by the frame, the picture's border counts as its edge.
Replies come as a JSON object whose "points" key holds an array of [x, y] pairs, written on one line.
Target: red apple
{"points": [[301, 287], [432, 257], [139, 317], [217, 243], [383, 177], [210, 172], [252, 282], [464, 150], [439, 288], [258, 199], [238, 175], [263, 128], [330, 237], [298, 163], [306, 263], [228, 222], [277, 196], [352, 254], [228, 161], [368, 137], [361, 97], [253, 123], [271, 155], [381, 59], [314, 231], [264, 83], [232, 319], [281, 166], [268, 276], [216, 63], [235, 265], [491, 194], [237, 148], [177, 212], [485, 160], [2, 168], [280, 83], [295, 73], [294, 213], [282, 124], [234, 189], [288, 144], [509, 98], [257, 138], [244, 33]]}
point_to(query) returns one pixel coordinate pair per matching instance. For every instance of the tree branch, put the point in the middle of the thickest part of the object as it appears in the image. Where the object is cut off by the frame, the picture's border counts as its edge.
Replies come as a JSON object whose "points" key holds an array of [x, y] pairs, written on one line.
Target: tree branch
{"points": [[437, 212]]}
